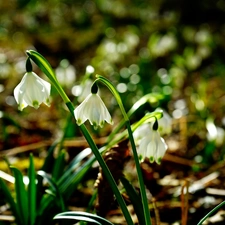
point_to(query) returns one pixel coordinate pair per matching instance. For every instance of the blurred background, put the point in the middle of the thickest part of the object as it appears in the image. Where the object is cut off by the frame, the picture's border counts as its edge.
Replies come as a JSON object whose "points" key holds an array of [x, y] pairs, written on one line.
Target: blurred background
{"points": [[173, 49]]}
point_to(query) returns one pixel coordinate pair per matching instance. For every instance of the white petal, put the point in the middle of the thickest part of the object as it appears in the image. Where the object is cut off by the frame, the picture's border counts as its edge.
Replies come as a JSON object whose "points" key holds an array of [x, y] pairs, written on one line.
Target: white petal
{"points": [[162, 147], [165, 123], [19, 92], [79, 112], [142, 131], [95, 110], [143, 147], [19, 89], [151, 151]]}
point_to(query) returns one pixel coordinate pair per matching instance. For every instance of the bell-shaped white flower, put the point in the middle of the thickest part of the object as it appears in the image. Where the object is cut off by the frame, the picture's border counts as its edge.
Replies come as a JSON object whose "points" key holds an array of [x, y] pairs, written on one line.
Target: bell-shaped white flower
{"points": [[32, 91], [165, 123], [152, 146], [94, 110]]}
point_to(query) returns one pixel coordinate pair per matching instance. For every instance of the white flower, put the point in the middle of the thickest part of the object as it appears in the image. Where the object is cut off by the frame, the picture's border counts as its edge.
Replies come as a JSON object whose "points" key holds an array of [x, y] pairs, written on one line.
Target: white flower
{"points": [[152, 146], [32, 91], [215, 134], [94, 110], [165, 123]]}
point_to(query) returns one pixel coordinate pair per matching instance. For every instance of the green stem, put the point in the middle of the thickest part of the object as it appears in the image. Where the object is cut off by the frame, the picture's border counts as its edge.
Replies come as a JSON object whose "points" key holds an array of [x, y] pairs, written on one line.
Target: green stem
{"points": [[115, 93], [105, 168], [107, 173], [136, 159], [211, 212], [140, 177]]}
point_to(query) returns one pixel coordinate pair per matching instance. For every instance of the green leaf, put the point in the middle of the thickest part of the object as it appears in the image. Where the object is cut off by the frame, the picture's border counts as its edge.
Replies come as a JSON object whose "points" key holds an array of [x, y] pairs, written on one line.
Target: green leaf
{"points": [[9, 199], [69, 184], [78, 218], [54, 190], [135, 200], [32, 192], [59, 165], [49, 160], [45, 203], [47, 167], [211, 212], [83, 216], [21, 196], [74, 165]]}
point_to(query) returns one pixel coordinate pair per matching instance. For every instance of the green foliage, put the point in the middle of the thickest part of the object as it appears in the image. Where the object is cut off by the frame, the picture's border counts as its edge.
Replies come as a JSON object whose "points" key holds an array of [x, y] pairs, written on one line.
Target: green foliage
{"points": [[172, 50], [135, 199], [82, 216], [21, 196], [32, 206], [211, 212], [23, 207], [32, 192]]}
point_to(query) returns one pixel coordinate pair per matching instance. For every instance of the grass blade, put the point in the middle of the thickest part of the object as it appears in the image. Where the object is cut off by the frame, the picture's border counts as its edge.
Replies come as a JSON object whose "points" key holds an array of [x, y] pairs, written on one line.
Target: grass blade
{"points": [[135, 200], [78, 218], [70, 183], [79, 215], [21, 196], [59, 165], [50, 159], [74, 164], [53, 190], [9, 199], [32, 192]]}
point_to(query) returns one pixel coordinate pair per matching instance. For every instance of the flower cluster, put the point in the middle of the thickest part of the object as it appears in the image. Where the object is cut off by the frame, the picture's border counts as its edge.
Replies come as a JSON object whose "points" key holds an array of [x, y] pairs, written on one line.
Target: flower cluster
{"points": [[32, 91]]}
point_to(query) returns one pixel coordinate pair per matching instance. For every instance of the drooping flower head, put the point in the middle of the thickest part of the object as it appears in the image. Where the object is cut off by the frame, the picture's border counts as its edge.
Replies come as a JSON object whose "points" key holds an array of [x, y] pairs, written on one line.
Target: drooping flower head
{"points": [[165, 123], [32, 90], [151, 145], [93, 109]]}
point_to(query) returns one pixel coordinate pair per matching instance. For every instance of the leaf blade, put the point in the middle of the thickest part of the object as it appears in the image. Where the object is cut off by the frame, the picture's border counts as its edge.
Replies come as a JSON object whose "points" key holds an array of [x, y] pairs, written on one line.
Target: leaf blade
{"points": [[10, 200], [32, 191], [21, 195], [71, 215], [135, 199]]}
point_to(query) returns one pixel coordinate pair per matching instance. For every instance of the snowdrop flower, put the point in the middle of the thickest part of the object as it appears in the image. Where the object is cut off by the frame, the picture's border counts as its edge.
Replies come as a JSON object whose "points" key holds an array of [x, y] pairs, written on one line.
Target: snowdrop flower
{"points": [[215, 134], [32, 91], [165, 123], [93, 109], [152, 145]]}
